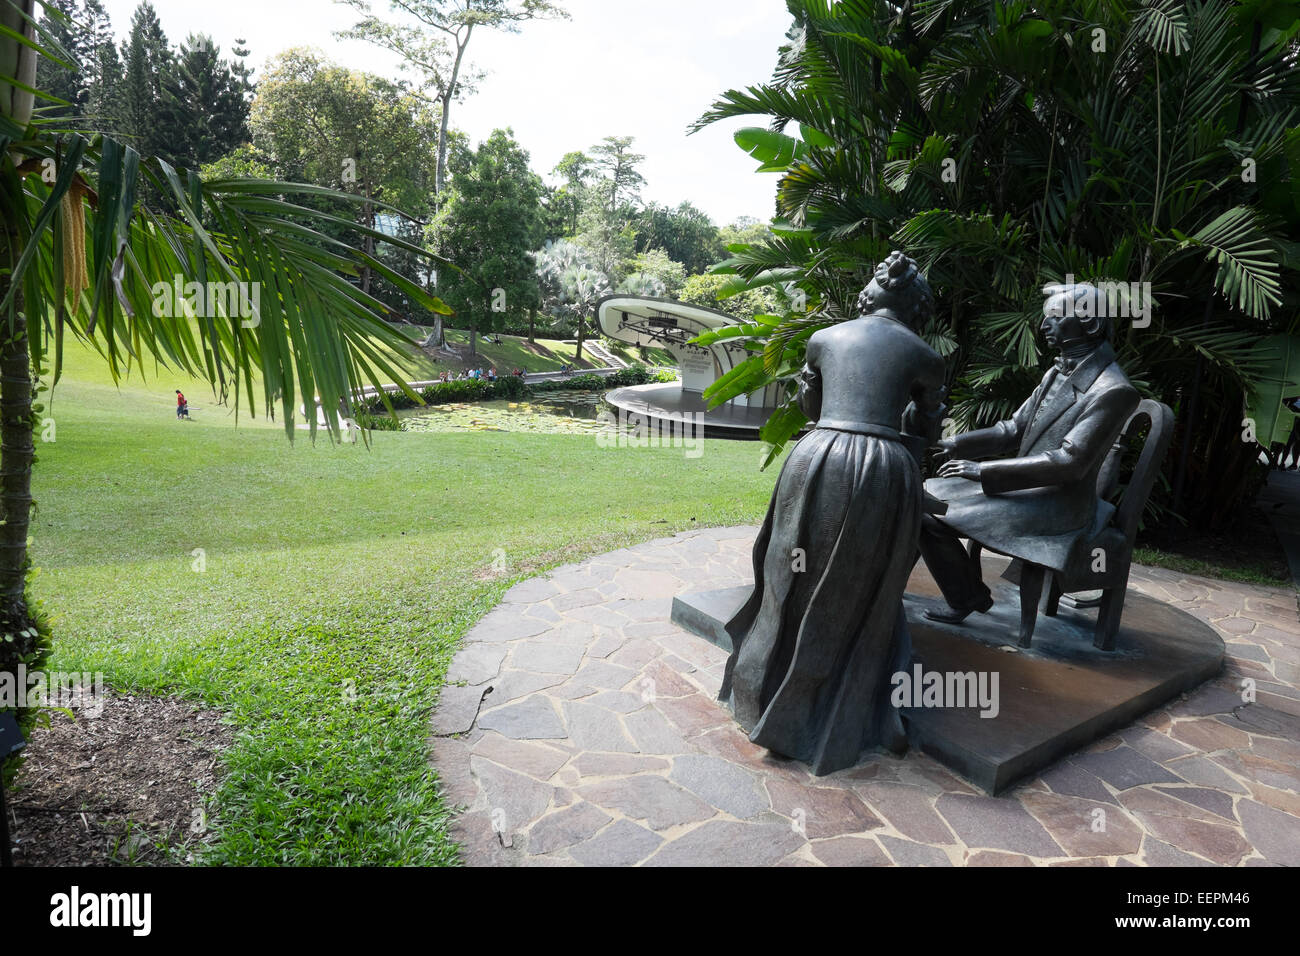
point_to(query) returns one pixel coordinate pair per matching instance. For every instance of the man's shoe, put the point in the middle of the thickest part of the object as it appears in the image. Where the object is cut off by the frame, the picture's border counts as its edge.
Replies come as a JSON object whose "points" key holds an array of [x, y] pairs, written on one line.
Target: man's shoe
{"points": [[952, 615]]}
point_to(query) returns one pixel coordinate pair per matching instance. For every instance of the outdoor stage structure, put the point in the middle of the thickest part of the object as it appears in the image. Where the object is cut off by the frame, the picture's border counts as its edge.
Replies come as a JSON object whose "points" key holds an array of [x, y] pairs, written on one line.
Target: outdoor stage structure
{"points": [[667, 324]]}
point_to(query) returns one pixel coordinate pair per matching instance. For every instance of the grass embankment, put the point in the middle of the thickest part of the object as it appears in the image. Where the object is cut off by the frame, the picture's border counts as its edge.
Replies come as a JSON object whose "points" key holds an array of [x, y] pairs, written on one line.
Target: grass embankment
{"points": [[316, 594], [543, 355]]}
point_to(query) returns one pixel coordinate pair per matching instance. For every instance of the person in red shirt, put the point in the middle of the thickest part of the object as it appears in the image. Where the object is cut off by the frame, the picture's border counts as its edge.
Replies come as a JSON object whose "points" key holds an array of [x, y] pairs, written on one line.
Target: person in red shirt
{"points": [[182, 406]]}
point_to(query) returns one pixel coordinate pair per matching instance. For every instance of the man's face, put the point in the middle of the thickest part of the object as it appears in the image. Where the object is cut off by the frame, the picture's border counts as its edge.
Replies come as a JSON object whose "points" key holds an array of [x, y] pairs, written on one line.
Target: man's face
{"points": [[1061, 325]]}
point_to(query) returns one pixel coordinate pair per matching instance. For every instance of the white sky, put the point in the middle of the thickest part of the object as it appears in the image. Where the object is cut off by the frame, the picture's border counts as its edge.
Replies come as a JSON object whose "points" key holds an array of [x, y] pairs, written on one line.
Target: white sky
{"points": [[643, 68]]}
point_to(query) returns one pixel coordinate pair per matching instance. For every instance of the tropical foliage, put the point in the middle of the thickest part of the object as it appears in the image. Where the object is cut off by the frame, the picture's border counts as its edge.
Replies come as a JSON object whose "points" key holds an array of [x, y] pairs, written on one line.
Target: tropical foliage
{"points": [[1007, 145]]}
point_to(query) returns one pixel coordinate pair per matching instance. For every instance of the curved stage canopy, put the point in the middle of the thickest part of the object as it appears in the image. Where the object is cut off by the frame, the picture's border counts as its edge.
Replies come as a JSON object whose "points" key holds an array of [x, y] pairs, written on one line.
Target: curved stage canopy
{"points": [[670, 325]]}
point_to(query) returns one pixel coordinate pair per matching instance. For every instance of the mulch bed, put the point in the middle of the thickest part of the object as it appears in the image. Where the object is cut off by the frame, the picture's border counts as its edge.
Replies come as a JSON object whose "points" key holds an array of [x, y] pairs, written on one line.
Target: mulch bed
{"points": [[127, 787]]}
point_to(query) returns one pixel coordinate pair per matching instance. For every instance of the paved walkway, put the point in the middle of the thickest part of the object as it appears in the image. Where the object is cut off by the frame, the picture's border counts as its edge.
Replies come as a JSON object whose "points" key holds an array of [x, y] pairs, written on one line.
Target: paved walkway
{"points": [[587, 733]]}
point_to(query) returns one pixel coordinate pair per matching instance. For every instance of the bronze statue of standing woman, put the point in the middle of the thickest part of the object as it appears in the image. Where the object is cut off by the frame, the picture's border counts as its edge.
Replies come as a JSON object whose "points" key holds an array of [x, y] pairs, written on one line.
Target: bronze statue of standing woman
{"points": [[822, 633]]}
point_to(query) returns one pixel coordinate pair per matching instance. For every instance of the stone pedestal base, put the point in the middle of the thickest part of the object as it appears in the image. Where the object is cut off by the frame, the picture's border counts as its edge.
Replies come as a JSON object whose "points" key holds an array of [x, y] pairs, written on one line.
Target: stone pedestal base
{"points": [[1051, 699]]}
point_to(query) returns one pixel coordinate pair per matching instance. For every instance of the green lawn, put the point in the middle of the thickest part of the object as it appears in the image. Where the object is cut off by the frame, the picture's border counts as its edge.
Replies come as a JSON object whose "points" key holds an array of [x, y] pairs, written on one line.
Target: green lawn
{"points": [[338, 581], [544, 355], [150, 390]]}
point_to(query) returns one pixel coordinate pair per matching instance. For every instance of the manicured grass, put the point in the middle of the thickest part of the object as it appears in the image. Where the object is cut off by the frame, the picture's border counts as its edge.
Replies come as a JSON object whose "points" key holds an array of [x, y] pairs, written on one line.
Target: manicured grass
{"points": [[336, 583], [149, 390], [543, 355]]}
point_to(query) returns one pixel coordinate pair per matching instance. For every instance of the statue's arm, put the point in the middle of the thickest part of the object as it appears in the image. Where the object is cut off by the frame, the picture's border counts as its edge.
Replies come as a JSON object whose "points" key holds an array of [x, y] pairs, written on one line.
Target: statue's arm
{"points": [[809, 396], [996, 440], [1086, 443], [923, 418]]}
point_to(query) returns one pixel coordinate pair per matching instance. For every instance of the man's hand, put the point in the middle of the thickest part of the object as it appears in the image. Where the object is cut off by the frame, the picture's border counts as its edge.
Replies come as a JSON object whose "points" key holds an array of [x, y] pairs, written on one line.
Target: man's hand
{"points": [[960, 469]]}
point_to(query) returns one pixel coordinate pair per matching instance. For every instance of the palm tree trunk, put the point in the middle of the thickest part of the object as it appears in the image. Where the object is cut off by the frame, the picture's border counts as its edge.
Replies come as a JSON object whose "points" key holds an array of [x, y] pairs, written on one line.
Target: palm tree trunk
{"points": [[577, 357], [16, 449], [532, 325]]}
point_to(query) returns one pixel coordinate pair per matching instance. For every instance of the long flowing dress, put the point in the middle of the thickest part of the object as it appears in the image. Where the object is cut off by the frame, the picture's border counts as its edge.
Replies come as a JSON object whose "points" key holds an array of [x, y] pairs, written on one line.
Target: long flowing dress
{"points": [[824, 629]]}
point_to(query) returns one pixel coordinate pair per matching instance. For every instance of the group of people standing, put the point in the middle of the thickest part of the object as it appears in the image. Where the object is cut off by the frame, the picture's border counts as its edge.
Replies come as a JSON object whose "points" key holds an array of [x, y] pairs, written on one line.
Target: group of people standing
{"points": [[473, 375]]}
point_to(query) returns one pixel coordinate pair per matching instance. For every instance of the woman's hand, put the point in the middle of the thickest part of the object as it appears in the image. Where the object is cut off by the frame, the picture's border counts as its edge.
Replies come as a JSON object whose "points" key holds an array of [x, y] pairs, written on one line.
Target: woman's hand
{"points": [[944, 448], [809, 397]]}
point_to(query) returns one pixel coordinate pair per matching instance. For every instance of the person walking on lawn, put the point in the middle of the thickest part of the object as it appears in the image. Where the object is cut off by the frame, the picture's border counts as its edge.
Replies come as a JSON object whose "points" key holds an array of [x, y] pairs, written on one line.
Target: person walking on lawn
{"points": [[182, 406]]}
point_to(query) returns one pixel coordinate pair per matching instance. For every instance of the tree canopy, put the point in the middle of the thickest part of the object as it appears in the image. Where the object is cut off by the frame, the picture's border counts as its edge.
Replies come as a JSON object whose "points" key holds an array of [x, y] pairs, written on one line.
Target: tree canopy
{"points": [[493, 221]]}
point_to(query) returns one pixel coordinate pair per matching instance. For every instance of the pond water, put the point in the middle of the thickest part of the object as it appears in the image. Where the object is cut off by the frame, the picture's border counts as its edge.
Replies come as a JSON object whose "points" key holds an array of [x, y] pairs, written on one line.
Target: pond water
{"points": [[563, 413]]}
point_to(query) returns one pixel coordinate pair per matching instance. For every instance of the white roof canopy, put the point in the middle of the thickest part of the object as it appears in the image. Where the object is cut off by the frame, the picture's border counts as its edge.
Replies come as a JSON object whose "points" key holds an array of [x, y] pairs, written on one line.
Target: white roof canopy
{"points": [[650, 321]]}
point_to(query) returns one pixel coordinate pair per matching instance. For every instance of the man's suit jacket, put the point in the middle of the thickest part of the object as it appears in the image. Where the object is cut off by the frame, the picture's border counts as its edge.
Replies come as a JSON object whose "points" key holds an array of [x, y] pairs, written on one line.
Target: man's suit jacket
{"points": [[1041, 504]]}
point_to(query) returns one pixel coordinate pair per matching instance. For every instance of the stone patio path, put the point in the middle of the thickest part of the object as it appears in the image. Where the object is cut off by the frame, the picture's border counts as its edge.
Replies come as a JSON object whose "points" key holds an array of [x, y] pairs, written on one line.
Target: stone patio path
{"points": [[585, 732]]}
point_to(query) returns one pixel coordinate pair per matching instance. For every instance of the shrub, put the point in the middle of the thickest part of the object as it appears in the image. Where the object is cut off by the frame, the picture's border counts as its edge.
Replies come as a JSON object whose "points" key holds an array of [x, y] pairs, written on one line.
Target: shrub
{"points": [[632, 375], [446, 393], [379, 423], [25, 640]]}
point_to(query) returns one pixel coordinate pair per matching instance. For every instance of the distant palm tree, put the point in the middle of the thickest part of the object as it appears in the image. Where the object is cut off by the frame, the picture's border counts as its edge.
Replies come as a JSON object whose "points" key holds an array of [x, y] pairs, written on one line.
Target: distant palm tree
{"points": [[583, 287], [642, 283], [81, 254], [571, 283]]}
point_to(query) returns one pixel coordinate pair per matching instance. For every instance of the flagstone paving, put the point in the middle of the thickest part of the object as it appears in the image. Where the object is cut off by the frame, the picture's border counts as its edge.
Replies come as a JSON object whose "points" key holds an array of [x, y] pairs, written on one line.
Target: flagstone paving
{"points": [[585, 731]]}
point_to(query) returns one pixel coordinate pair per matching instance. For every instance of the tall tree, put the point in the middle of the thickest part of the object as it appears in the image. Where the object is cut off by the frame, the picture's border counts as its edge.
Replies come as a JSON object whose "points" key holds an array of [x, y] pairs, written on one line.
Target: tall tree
{"points": [[431, 37], [80, 28], [686, 233], [206, 101], [494, 218], [621, 179], [146, 60], [612, 205], [575, 171], [320, 123], [62, 22], [103, 69]]}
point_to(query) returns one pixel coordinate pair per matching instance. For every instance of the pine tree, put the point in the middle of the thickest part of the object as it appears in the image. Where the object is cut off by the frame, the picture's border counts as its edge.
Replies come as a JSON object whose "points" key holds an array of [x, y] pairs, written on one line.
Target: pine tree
{"points": [[65, 22], [205, 102], [101, 67], [104, 106], [146, 57]]}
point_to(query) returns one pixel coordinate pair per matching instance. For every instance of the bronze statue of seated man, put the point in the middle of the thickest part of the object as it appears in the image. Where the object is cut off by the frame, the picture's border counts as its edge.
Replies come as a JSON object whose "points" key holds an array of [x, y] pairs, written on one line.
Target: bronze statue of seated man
{"points": [[1027, 487]]}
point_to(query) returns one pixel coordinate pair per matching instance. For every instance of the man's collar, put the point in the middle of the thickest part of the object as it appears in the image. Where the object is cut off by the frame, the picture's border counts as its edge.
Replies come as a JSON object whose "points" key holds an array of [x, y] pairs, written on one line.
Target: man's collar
{"points": [[1099, 357]]}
